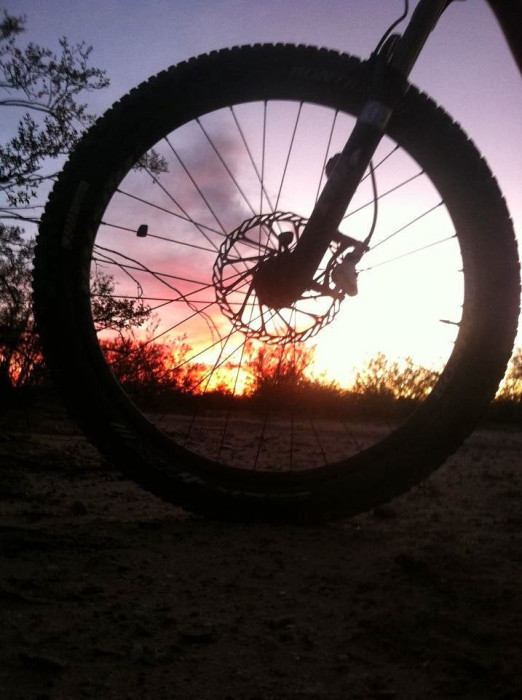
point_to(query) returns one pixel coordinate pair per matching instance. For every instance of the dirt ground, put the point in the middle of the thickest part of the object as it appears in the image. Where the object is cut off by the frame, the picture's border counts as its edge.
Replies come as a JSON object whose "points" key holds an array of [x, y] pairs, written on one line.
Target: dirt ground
{"points": [[109, 593]]}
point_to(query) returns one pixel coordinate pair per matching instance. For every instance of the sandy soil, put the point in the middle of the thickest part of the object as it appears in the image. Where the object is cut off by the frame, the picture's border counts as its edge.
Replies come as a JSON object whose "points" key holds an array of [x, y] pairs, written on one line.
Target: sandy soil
{"points": [[109, 593]]}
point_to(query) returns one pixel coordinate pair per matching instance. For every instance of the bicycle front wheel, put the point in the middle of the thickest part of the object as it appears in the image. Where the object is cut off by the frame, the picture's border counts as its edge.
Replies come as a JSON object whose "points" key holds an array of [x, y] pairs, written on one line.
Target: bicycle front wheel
{"points": [[204, 390]]}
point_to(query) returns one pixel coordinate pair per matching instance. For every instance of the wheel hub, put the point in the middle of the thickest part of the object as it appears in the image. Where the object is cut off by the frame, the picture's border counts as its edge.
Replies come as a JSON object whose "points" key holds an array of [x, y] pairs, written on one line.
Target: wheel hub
{"points": [[259, 289]]}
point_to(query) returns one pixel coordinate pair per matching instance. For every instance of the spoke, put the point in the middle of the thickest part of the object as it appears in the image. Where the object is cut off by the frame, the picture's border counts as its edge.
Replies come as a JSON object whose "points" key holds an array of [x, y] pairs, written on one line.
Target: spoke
{"points": [[218, 363], [351, 435], [410, 252], [201, 352], [163, 304], [244, 304], [248, 258], [157, 276], [196, 186], [305, 313], [289, 153], [181, 208], [383, 160], [165, 300], [326, 153], [240, 278], [180, 323], [261, 314], [140, 267], [251, 158], [410, 223], [227, 168], [256, 244], [142, 298], [318, 441], [163, 238], [285, 322], [167, 331], [384, 194], [216, 342], [221, 360], [198, 189], [127, 273], [234, 390], [260, 442], [185, 217], [263, 154]]}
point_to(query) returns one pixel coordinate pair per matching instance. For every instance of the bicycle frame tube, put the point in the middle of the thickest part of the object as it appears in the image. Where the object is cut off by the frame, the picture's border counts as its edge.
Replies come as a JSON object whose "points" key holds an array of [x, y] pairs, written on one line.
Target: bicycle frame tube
{"points": [[509, 17], [420, 26], [292, 275]]}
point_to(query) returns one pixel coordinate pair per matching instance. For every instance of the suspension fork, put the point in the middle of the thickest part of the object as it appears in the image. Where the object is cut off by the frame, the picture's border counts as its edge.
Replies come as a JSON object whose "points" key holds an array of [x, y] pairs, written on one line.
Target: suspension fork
{"points": [[392, 66]]}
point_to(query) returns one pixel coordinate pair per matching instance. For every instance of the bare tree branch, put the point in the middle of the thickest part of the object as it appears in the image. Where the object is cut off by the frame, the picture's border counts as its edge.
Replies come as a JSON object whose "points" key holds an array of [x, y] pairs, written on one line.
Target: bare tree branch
{"points": [[47, 85]]}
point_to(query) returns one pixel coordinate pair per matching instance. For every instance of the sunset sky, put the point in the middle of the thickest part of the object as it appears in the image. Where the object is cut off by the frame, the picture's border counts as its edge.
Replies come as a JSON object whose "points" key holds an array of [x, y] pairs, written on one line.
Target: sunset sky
{"points": [[465, 67]]}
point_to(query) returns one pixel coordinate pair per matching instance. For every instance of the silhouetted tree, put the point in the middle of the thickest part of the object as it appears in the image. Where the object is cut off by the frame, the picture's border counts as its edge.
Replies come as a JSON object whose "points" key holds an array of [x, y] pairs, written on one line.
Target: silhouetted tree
{"points": [[277, 367], [21, 362], [43, 88], [111, 312], [19, 353], [148, 369], [46, 87], [395, 380]]}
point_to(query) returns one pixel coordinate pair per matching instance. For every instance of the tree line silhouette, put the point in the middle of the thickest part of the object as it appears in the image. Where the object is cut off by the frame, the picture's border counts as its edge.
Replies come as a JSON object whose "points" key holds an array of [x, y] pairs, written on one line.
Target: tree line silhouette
{"points": [[280, 378]]}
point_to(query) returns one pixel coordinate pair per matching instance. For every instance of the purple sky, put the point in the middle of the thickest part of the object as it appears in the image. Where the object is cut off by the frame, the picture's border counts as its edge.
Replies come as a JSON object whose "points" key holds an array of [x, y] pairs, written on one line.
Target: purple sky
{"points": [[466, 67]]}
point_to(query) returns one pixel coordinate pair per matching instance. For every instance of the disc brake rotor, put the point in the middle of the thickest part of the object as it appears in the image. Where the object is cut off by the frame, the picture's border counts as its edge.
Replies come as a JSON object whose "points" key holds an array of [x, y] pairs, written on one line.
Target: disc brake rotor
{"points": [[243, 251]]}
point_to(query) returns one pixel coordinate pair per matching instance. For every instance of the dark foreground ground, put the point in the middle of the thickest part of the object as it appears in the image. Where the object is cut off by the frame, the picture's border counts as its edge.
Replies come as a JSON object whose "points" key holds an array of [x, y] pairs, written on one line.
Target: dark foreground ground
{"points": [[106, 592]]}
